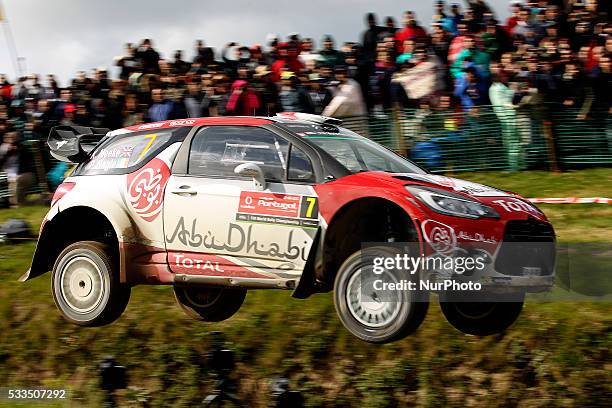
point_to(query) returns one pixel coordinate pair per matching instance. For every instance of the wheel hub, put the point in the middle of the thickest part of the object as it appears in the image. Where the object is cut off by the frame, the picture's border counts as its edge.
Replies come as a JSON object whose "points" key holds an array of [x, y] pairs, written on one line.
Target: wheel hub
{"points": [[82, 284], [369, 306]]}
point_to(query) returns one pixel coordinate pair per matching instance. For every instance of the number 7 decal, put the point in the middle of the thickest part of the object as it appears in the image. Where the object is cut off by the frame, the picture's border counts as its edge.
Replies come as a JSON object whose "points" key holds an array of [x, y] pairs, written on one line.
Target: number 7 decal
{"points": [[148, 146], [309, 207]]}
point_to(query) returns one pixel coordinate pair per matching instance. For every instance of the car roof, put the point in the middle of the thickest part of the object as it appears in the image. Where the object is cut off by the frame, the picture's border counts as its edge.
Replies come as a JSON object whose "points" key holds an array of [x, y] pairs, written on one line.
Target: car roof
{"points": [[217, 120]]}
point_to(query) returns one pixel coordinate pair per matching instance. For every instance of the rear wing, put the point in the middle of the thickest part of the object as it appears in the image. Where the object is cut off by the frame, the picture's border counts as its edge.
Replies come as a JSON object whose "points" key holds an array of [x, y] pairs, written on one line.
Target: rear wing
{"points": [[73, 144]]}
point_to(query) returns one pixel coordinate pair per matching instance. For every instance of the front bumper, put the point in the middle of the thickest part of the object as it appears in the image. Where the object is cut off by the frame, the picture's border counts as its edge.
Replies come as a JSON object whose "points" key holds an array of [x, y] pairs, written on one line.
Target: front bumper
{"points": [[520, 256]]}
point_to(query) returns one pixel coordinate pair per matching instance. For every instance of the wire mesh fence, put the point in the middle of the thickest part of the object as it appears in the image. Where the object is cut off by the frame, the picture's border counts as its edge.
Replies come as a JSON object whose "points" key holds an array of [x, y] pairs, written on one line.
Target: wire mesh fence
{"points": [[488, 138], [493, 138]]}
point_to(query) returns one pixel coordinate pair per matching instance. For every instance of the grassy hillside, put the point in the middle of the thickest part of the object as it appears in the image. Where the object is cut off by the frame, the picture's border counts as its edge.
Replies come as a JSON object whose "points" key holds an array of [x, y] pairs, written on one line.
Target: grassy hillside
{"points": [[556, 354]]}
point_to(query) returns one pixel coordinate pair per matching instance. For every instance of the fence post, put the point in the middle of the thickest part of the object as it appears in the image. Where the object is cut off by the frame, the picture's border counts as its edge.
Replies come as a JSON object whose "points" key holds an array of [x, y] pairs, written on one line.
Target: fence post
{"points": [[397, 132], [550, 144], [40, 167]]}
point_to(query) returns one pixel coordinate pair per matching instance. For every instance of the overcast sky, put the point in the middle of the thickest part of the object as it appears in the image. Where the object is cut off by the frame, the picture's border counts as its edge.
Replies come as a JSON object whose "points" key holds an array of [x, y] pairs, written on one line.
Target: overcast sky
{"points": [[63, 36]]}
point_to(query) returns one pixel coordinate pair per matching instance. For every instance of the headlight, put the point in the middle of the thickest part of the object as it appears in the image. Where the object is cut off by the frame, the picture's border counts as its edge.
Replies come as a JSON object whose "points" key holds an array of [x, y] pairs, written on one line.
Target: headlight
{"points": [[448, 203]]}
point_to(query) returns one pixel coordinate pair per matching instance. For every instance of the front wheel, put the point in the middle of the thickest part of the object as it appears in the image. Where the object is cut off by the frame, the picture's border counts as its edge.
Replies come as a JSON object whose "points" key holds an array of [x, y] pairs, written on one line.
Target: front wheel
{"points": [[86, 286], [210, 304], [481, 318], [372, 313]]}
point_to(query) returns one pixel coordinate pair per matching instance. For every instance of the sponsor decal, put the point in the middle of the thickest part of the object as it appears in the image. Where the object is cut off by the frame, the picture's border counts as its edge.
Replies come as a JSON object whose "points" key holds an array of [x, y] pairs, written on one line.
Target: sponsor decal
{"points": [[181, 122], [145, 189], [147, 126], [120, 152], [516, 206], [238, 240], [283, 209], [267, 219], [476, 237], [269, 204], [440, 237], [210, 265]]}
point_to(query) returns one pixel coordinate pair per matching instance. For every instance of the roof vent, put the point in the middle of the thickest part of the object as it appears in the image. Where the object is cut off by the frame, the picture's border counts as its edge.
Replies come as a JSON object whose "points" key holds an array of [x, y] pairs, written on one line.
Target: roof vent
{"points": [[309, 117]]}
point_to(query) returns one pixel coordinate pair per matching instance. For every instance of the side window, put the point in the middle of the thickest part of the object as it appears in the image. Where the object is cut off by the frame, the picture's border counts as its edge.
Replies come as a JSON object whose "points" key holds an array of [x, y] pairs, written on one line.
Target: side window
{"points": [[300, 167], [217, 150], [342, 152], [124, 151], [375, 162]]}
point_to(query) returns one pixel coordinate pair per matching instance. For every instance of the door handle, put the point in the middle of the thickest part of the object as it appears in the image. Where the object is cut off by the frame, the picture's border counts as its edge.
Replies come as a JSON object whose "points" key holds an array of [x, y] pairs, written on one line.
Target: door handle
{"points": [[184, 190]]}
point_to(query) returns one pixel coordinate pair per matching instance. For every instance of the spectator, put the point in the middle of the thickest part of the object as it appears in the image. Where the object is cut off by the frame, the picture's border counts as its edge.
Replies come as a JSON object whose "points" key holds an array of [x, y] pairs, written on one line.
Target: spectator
{"points": [[287, 60], [293, 97], [502, 98], [412, 30], [471, 56], [347, 97], [128, 62], [149, 58], [389, 29], [5, 87], [161, 108], [307, 53], [471, 89], [320, 95], [267, 90], [575, 91], [329, 55], [179, 67], [370, 38], [242, 101], [194, 100], [16, 161], [408, 49], [132, 115], [547, 51]]}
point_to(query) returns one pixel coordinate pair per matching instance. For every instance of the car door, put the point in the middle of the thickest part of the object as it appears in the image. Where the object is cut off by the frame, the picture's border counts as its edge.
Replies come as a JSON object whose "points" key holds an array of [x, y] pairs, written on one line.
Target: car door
{"points": [[218, 223]]}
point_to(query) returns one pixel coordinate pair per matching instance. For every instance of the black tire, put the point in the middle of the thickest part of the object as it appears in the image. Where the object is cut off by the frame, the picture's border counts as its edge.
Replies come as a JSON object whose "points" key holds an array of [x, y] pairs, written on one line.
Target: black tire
{"points": [[209, 304], [481, 318], [86, 287], [406, 312]]}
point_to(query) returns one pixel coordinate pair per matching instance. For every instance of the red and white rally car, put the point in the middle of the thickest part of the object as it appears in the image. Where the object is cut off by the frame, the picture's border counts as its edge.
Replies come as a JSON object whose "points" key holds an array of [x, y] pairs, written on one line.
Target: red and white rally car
{"points": [[216, 206]]}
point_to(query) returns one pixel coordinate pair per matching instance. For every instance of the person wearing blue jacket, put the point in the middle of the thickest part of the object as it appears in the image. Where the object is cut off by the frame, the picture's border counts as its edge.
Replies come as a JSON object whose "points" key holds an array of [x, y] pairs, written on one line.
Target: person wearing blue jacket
{"points": [[471, 89]]}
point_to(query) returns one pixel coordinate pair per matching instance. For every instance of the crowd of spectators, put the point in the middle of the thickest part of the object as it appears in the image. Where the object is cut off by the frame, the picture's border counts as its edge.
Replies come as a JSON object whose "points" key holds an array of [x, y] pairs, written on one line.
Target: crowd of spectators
{"points": [[546, 51]]}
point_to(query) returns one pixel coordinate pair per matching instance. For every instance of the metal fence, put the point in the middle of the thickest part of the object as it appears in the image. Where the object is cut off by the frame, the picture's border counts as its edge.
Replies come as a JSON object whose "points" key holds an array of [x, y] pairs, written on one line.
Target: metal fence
{"points": [[493, 138], [490, 138]]}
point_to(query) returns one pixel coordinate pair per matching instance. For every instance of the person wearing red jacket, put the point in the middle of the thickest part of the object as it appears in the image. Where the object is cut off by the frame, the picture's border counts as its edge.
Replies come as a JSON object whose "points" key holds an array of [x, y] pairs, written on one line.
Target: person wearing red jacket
{"points": [[5, 87], [287, 60], [411, 30], [242, 101]]}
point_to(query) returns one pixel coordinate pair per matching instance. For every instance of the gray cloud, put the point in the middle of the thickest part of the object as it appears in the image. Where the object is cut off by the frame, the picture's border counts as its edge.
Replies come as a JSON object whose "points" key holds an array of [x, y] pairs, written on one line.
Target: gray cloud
{"points": [[63, 36]]}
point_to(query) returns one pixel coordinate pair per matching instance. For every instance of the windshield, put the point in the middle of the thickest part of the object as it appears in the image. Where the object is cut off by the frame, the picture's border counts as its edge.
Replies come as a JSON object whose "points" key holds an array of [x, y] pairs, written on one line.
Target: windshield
{"points": [[355, 152]]}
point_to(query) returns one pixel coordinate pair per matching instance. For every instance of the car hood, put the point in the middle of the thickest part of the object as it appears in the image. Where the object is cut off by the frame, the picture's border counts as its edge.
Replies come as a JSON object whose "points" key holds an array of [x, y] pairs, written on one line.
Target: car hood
{"points": [[510, 205], [463, 187]]}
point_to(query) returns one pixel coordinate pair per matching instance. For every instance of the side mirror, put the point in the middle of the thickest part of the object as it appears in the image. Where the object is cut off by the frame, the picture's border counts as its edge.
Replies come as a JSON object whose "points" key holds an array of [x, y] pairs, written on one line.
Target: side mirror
{"points": [[254, 171]]}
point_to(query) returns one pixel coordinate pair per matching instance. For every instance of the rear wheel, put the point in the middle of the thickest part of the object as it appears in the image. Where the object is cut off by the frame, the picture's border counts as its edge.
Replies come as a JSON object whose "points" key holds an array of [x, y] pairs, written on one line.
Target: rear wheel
{"points": [[210, 304], [86, 286], [481, 318], [371, 314]]}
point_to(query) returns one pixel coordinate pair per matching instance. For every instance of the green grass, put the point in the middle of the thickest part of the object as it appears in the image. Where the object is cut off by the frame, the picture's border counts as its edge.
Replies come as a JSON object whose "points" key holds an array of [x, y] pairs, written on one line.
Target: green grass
{"points": [[557, 354]]}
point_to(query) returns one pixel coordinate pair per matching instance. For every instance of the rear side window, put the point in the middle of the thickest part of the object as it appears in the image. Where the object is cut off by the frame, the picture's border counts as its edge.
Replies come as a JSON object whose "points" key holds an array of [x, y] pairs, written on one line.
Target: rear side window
{"points": [[217, 150], [124, 152]]}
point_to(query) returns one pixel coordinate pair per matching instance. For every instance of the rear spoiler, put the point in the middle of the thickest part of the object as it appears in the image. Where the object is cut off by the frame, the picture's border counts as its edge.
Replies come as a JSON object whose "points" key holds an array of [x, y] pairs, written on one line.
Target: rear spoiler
{"points": [[73, 144]]}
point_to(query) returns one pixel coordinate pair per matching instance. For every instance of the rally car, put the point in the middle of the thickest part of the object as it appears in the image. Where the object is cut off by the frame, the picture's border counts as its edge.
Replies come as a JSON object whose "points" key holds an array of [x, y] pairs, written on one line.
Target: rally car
{"points": [[217, 206]]}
